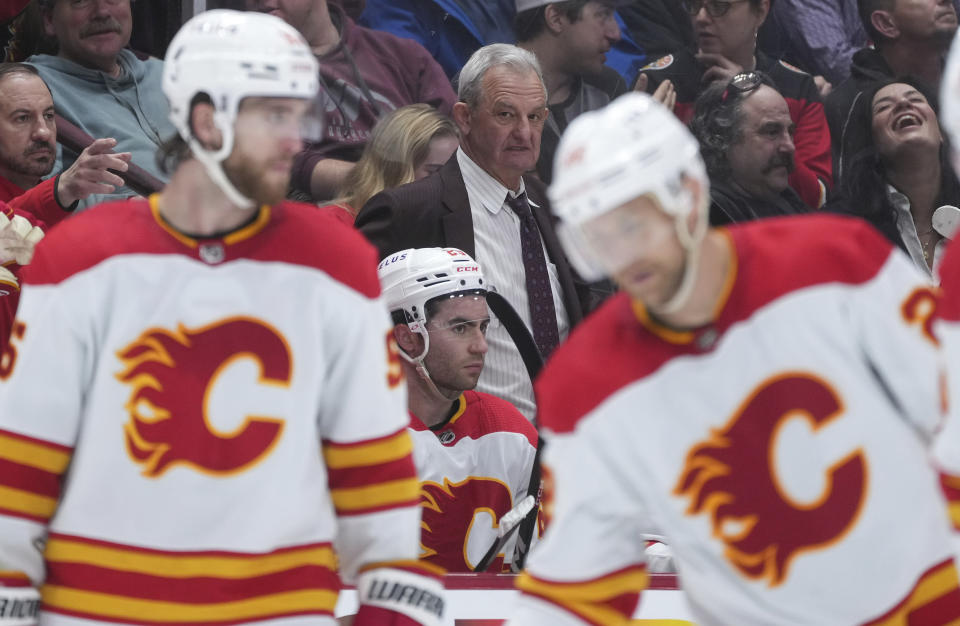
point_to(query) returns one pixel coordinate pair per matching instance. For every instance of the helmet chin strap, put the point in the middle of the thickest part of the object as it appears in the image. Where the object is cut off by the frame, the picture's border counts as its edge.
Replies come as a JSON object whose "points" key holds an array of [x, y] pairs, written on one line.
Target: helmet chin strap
{"points": [[691, 244], [213, 162], [421, 367]]}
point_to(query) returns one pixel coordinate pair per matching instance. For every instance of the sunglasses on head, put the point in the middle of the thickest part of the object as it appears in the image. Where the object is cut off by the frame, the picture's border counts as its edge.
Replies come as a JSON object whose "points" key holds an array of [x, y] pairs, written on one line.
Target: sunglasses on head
{"points": [[744, 82], [715, 8]]}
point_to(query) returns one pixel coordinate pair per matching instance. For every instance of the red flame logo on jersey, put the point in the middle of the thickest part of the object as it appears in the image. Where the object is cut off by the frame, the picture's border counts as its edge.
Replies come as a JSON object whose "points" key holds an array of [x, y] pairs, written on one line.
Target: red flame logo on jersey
{"points": [[732, 477], [447, 517], [172, 375]]}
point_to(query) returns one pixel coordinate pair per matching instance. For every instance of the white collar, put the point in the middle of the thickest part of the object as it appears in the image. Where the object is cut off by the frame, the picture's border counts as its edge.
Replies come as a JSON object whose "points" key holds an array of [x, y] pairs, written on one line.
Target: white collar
{"points": [[488, 190]]}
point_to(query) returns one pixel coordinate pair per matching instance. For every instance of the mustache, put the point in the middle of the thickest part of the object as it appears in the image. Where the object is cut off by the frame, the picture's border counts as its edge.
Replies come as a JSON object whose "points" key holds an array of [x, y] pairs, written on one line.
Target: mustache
{"points": [[108, 25], [784, 160], [40, 146]]}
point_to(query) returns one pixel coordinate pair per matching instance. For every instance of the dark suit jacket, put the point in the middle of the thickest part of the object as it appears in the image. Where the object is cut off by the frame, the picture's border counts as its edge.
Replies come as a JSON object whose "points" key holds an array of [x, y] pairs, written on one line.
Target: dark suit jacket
{"points": [[435, 211]]}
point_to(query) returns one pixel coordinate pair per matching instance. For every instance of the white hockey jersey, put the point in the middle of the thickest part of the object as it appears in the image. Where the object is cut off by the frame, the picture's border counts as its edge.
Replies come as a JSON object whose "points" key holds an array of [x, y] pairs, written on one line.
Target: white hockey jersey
{"points": [[195, 422], [781, 449], [946, 328], [473, 469]]}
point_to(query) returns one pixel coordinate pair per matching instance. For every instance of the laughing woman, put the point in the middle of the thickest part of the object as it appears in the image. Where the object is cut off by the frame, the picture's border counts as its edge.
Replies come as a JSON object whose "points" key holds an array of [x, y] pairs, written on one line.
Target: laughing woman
{"points": [[899, 175]]}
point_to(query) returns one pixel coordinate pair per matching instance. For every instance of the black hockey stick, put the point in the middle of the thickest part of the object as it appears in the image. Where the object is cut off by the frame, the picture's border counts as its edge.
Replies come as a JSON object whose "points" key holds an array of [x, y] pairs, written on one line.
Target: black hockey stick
{"points": [[533, 361]]}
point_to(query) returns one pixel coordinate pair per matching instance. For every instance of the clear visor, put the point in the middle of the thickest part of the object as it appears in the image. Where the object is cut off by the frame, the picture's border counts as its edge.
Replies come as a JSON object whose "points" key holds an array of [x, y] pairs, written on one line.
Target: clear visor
{"points": [[620, 237], [285, 118]]}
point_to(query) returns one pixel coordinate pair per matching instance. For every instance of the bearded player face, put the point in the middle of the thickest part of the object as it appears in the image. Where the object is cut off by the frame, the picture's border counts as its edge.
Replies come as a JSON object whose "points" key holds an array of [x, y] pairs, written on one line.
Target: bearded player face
{"points": [[268, 135]]}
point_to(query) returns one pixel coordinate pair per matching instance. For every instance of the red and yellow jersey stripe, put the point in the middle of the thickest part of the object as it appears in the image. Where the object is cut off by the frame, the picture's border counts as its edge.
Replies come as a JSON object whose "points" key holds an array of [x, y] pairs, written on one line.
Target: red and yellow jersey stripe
{"points": [[933, 601], [372, 475], [106, 581], [604, 601], [951, 489], [30, 471]]}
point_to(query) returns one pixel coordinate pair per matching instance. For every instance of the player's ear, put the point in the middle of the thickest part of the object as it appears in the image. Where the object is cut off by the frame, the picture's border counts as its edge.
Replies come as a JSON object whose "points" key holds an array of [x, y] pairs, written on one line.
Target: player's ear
{"points": [[410, 342], [204, 126]]}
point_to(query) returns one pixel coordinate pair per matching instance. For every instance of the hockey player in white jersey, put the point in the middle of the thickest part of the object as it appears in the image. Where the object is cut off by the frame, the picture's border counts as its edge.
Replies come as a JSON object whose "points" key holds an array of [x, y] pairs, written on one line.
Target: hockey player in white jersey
{"points": [[763, 395], [199, 419], [947, 324], [474, 452]]}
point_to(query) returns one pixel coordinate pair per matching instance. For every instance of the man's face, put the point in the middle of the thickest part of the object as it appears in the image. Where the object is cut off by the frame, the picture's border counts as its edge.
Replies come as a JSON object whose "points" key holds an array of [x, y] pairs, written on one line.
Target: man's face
{"points": [[640, 248], [90, 33], [588, 39], [28, 133], [297, 13], [457, 343], [761, 159], [502, 135], [902, 120], [267, 137], [925, 20]]}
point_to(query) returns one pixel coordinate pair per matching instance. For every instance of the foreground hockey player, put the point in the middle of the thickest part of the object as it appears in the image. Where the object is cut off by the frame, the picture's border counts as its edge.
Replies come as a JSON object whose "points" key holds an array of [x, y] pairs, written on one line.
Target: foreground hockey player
{"points": [[474, 452], [947, 325], [763, 395], [181, 363]]}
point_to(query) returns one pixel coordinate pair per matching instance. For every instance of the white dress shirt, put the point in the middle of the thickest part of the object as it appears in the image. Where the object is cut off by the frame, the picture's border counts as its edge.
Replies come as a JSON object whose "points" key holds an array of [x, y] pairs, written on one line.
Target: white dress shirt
{"points": [[908, 231], [496, 236]]}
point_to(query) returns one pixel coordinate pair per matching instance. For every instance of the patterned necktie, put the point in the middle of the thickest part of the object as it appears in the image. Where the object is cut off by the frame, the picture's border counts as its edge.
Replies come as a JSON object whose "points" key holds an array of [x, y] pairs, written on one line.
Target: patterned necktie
{"points": [[543, 315]]}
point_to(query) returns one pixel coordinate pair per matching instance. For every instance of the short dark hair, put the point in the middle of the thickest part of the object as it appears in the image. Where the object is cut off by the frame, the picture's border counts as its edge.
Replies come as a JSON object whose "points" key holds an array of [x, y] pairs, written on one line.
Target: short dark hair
{"points": [[532, 22], [718, 123], [9, 69], [866, 9]]}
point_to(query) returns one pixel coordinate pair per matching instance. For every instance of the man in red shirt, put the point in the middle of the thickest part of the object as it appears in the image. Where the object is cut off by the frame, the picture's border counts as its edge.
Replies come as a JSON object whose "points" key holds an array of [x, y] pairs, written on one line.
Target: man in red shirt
{"points": [[28, 149]]}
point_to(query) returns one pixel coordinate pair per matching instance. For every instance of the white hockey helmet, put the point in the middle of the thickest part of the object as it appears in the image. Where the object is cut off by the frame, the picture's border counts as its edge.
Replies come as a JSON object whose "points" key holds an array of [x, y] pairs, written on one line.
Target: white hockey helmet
{"points": [[413, 277], [228, 56], [632, 147], [950, 101]]}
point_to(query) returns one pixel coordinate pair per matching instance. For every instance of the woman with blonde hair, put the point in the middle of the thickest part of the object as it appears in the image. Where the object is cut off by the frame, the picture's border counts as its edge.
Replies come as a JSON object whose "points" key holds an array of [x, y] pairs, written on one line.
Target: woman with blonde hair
{"points": [[408, 144]]}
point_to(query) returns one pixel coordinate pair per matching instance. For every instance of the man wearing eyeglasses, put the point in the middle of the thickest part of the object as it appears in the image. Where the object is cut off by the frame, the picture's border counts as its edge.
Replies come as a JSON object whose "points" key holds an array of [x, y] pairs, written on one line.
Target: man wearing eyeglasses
{"points": [[726, 39], [747, 142], [474, 452], [101, 86]]}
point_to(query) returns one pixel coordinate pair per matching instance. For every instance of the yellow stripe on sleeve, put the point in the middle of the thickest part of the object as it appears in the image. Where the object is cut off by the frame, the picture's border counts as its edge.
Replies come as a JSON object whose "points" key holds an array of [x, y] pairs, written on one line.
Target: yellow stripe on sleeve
{"points": [[26, 502], [390, 449], [34, 455], [954, 509], [121, 607], [373, 496], [588, 599], [930, 587], [186, 566]]}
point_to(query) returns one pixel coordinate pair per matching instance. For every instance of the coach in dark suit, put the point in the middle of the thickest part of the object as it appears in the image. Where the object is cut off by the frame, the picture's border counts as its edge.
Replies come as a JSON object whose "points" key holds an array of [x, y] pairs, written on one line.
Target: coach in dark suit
{"points": [[481, 202]]}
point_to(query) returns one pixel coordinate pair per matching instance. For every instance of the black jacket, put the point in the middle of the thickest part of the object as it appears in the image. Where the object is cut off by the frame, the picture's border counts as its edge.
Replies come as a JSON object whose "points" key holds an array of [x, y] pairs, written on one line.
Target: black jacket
{"points": [[729, 205]]}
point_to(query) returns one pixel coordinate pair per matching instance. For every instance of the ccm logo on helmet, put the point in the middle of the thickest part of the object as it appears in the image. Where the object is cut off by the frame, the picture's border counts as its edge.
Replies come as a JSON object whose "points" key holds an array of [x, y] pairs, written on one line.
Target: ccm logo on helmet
{"points": [[468, 268]]}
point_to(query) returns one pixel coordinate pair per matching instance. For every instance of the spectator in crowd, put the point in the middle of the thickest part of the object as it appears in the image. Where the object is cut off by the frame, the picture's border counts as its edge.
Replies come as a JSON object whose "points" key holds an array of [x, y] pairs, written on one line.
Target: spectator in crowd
{"points": [[746, 140], [100, 86], [474, 452], [28, 146], [910, 38], [570, 40], [364, 74], [726, 39], [482, 203], [898, 173], [408, 144], [819, 36]]}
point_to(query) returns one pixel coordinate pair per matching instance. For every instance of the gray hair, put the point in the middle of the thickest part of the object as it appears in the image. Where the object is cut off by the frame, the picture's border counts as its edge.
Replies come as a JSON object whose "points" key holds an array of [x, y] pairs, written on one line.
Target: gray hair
{"points": [[521, 61]]}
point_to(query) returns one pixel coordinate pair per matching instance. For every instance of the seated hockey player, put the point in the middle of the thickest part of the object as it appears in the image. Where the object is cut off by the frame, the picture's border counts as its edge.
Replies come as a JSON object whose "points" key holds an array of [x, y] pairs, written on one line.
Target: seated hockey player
{"points": [[764, 395], [474, 452], [223, 410]]}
